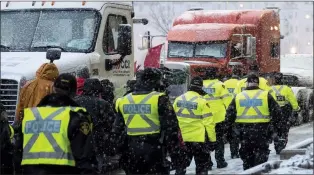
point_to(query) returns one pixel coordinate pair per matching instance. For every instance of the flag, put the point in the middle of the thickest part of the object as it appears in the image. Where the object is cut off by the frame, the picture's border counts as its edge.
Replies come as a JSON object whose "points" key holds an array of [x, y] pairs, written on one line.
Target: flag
{"points": [[136, 67], [153, 57]]}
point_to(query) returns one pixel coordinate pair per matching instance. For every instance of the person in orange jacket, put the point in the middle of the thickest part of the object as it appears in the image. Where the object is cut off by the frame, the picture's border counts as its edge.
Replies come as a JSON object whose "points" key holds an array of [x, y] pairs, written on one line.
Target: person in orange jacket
{"points": [[34, 90]]}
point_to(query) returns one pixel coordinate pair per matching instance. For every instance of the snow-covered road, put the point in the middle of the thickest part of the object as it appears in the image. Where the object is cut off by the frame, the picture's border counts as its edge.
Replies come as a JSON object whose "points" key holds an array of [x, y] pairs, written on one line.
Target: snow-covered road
{"points": [[296, 134]]}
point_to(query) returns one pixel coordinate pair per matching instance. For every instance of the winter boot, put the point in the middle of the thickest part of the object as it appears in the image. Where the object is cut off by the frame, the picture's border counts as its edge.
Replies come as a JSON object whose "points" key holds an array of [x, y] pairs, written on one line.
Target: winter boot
{"points": [[222, 165]]}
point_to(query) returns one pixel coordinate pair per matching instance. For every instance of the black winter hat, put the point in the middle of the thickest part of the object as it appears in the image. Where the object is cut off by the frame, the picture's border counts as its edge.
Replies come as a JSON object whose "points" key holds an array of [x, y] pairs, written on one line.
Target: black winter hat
{"points": [[211, 72], [82, 72], [197, 81], [92, 86], [151, 75], [254, 67], [253, 78], [66, 82]]}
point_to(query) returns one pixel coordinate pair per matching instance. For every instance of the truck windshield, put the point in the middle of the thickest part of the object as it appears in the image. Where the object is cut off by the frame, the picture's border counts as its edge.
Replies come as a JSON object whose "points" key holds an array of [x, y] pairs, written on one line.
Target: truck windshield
{"points": [[36, 30], [201, 50]]}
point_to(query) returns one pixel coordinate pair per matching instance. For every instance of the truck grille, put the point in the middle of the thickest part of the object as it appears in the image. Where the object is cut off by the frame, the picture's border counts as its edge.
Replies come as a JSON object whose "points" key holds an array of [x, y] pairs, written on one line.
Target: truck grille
{"points": [[8, 96]]}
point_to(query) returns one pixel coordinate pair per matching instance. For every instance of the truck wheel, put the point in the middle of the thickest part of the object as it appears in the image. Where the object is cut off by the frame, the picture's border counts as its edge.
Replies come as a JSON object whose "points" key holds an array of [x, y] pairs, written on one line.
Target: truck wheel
{"points": [[301, 97], [309, 108], [299, 118]]}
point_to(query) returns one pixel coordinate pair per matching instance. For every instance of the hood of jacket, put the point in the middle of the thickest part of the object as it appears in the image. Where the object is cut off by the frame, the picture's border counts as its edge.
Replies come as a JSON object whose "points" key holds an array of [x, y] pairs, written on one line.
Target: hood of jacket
{"points": [[47, 71]]}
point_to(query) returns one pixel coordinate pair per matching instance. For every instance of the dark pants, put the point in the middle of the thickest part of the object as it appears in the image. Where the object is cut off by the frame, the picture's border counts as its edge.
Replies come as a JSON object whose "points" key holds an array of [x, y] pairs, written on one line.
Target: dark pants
{"points": [[233, 141], [281, 144], [201, 154], [254, 152], [143, 157], [220, 145]]}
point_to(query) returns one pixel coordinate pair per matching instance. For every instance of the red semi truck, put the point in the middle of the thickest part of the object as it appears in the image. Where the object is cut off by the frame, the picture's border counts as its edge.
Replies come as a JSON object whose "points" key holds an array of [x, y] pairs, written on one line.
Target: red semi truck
{"points": [[200, 39]]}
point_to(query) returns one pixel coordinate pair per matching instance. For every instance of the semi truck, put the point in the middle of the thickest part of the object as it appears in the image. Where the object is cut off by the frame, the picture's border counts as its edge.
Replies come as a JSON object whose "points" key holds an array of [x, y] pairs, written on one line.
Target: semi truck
{"points": [[200, 39], [96, 35]]}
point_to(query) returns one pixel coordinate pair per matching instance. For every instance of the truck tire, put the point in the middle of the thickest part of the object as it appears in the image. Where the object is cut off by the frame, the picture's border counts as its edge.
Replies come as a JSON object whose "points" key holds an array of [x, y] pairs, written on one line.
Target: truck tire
{"points": [[308, 114], [301, 97]]}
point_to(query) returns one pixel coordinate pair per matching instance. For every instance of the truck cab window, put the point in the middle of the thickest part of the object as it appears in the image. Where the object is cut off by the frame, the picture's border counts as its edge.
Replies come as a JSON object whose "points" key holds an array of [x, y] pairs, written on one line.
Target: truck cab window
{"points": [[274, 50], [48, 28], [110, 39]]}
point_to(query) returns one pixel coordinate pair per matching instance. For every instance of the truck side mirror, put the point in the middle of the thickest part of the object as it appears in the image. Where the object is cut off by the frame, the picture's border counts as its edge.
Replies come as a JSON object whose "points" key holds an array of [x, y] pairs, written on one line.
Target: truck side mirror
{"points": [[53, 54], [145, 41], [124, 39], [251, 47]]}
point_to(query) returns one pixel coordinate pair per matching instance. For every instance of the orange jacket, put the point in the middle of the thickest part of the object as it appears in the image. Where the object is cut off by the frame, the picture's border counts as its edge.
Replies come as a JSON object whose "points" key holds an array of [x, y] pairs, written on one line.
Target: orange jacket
{"points": [[34, 90]]}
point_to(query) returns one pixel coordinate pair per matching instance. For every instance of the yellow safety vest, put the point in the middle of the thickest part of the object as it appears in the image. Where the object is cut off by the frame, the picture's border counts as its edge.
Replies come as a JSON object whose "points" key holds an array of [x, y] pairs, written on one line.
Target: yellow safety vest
{"points": [[252, 106], [231, 85], [11, 132], [140, 113], [195, 117], [263, 84], [284, 95], [117, 104], [218, 98], [45, 133]]}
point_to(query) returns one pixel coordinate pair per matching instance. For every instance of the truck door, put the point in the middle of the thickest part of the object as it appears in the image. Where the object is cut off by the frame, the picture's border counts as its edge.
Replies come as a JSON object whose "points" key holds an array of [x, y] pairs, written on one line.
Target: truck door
{"points": [[113, 16]]}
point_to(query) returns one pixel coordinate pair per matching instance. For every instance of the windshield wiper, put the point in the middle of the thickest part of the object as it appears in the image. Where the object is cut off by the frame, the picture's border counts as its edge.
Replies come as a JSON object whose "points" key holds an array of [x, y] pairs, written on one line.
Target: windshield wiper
{"points": [[209, 56], [4, 46], [51, 46]]}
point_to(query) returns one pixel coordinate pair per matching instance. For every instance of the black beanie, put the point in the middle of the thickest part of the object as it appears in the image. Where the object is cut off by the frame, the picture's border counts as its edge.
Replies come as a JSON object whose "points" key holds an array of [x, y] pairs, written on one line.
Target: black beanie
{"points": [[66, 82], [197, 81], [253, 78]]}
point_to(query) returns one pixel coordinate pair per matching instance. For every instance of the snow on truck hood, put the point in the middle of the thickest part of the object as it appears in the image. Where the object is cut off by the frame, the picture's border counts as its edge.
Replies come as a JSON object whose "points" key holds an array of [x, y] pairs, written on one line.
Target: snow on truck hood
{"points": [[26, 63]]}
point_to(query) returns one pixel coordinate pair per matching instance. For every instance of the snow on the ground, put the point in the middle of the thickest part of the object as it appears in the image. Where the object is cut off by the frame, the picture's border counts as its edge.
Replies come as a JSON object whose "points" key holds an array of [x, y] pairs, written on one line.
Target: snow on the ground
{"points": [[298, 164], [296, 134]]}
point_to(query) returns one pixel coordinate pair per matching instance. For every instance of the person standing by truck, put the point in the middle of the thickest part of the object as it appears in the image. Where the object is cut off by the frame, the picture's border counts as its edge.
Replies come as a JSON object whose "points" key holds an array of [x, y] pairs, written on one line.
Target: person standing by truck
{"points": [[68, 146], [33, 91], [151, 125], [102, 115], [7, 133], [196, 121], [253, 111], [285, 97], [218, 98], [231, 85], [263, 83]]}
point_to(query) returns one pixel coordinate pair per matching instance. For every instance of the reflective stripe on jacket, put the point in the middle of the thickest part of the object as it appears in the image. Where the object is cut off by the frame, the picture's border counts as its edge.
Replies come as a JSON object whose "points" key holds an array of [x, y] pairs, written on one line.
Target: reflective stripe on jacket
{"points": [[195, 117], [140, 113], [284, 95], [252, 106], [218, 98], [45, 133]]}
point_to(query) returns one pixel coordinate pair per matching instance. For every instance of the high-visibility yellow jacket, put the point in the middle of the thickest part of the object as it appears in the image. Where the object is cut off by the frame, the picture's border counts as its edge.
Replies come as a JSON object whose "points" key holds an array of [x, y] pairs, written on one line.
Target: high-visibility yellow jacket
{"points": [[218, 98], [231, 85], [45, 134], [140, 113], [195, 117], [284, 95], [263, 84], [252, 106]]}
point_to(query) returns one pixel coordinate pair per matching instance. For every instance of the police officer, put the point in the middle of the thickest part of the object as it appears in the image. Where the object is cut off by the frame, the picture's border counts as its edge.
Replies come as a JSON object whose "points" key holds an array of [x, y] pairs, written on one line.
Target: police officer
{"points": [[285, 97], [263, 83], [196, 121], [218, 98], [231, 85], [57, 134], [151, 124], [253, 111], [6, 144]]}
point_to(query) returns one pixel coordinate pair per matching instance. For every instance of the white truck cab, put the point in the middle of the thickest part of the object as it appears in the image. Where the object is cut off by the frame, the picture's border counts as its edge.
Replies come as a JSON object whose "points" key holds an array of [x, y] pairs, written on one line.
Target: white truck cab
{"points": [[93, 34]]}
